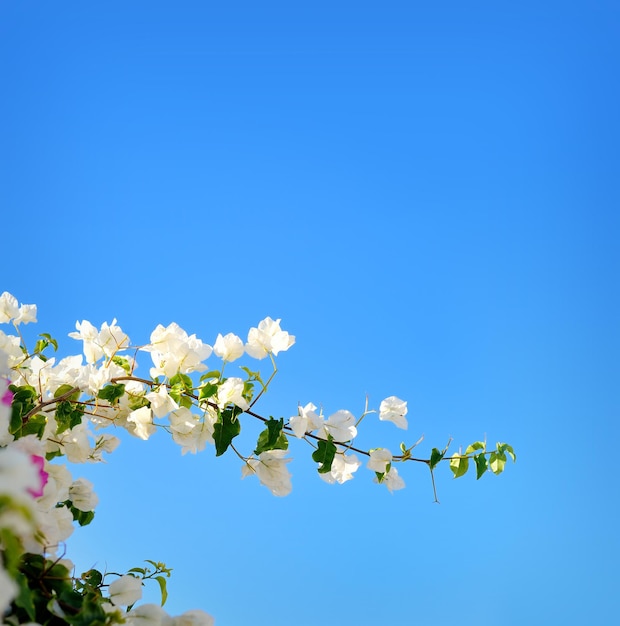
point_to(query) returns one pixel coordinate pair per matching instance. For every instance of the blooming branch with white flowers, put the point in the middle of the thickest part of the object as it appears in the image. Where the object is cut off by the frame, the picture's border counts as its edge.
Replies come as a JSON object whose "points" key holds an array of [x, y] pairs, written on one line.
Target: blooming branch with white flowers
{"points": [[52, 411]]}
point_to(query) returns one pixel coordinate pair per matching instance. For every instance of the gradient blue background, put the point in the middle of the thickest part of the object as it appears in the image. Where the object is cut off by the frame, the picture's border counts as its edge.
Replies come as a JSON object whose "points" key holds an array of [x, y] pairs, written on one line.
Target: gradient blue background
{"points": [[427, 194]]}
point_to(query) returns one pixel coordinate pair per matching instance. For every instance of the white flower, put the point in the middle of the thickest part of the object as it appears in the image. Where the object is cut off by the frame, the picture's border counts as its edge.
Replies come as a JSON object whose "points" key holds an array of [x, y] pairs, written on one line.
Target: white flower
{"points": [[74, 443], [8, 589], [270, 467], [173, 351], [161, 402], [343, 467], [56, 525], [189, 432], [17, 472], [268, 337], [306, 420], [148, 615], [392, 480], [112, 338], [142, 420], [9, 308], [56, 490], [394, 409], [10, 346], [228, 348], [82, 495], [125, 590], [27, 313], [87, 333], [231, 391], [380, 458], [340, 425], [195, 617]]}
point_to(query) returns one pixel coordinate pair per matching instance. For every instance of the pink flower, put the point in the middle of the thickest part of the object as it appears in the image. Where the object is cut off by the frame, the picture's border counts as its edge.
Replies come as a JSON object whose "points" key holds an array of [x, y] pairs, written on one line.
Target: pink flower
{"points": [[7, 397], [39, 462]]}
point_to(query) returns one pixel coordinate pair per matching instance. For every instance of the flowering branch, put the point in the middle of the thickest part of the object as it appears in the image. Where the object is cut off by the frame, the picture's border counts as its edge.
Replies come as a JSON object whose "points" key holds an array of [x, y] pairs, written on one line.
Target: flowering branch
{"points": [[52, 411]]}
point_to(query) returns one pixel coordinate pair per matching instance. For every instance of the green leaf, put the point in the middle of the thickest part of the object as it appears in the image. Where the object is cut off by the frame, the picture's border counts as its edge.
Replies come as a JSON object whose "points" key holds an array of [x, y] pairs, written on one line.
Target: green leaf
{"points": [[25, 399], [112, 393], [63, 389], [209, 375], [497, 462], [83, 518], [184, 381], [325, 454], [92, 578], [481, 465], [137, 570], [252, 375], [226, 429], [207, 391], [34, 426], [459, 465], [436, 456], [68, 415], [506, 448], [25, 596], [272, 438], [122, 362], [49, 338], [162, 586], [477, 445]]}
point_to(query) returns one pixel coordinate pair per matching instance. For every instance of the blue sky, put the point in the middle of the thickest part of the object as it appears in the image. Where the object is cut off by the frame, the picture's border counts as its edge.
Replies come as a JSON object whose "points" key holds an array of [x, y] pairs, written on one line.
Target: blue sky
{"points": [[427, 196]]}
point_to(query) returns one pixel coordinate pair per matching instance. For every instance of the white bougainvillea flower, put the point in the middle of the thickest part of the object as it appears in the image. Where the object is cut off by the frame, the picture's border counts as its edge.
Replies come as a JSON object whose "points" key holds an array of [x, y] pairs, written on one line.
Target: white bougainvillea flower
{"points": [[393, 410], [268, 338], [189, 431], [173, 351], [18, 474], [343, 468], [392, 480], [27, 314], [229, 347], [125, 590], [82, 495], [148, 615], [231, 392], [8, 589], [12, 354], [306, 420], [380, 458], [270, 467], [340, 425], [195, 617], [89, 335], [56, 525], [112, 338], [9, 308], [161, 402], [142, 420]]}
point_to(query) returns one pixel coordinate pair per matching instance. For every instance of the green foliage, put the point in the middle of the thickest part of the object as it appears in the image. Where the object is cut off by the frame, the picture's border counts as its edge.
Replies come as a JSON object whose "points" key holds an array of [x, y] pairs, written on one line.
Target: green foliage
{"points": [[112, 393], [25, 399], [436, 456], [459, 465], [181, 390], [68, 415], [83, 518], [272, 438], [122, 362], [325, 454], [226, 429], [207, 391], [481, 465]]}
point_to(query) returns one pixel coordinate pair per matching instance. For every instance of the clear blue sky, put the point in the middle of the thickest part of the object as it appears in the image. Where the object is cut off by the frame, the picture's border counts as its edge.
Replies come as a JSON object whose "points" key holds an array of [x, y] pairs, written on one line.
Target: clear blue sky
{"points": [[427, 194]]}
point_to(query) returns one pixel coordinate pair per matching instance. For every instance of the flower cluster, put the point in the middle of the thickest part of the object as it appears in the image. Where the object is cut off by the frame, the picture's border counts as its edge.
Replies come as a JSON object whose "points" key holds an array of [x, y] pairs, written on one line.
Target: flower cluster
{"points": [[56, 411]]}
